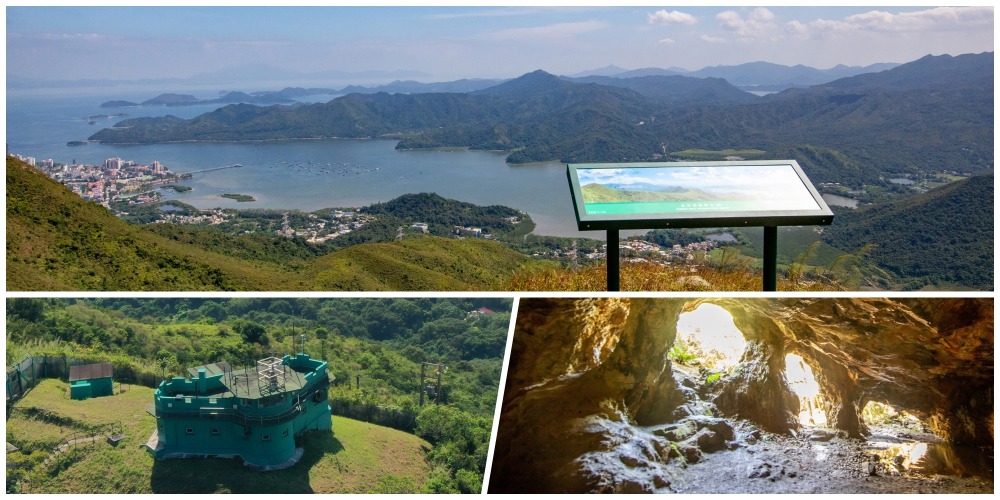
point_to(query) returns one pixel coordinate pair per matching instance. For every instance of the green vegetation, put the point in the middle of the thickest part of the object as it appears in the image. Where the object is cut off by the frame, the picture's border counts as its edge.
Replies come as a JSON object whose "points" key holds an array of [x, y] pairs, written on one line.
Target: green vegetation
{"points": [[704, 154], [952, 248], [645, 276], [680, 353], [57, 241], [357, 457], [239, 197], [177, 187], [374, 348]]}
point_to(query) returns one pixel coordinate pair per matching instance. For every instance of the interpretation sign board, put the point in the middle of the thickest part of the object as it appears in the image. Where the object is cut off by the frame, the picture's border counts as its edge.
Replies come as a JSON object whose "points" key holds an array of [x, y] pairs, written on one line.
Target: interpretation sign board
{"points": [[694, 194]]}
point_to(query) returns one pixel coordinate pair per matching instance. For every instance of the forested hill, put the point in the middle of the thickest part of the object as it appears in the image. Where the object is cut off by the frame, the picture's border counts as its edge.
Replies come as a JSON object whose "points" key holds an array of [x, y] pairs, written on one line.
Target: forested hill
{"points": [[931, 114], [954, 242]]}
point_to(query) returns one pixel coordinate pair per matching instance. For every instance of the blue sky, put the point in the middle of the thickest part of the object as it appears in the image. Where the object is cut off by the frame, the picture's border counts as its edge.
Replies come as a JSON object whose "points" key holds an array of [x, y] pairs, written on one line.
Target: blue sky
{"points": [[444, 43]]}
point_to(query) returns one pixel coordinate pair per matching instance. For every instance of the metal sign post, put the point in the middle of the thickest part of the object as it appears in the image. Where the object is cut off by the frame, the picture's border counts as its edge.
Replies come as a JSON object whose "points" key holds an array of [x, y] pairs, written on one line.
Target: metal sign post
{"points": [[675, 195], [614, 276]]}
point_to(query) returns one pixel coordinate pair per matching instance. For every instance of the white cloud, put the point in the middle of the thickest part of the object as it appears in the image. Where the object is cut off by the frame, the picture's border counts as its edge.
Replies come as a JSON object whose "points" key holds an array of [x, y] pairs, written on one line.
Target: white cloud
{"points": [[559, 30], [713, 39], [930, 20], [758, 24], [940, 18], [673, 17], [667, 41]]}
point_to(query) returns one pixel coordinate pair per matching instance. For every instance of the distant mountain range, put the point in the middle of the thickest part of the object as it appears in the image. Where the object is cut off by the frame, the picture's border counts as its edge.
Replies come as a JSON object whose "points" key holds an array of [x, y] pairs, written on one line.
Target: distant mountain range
{"points": [[931, 114], [758, 75], [748, 76]]}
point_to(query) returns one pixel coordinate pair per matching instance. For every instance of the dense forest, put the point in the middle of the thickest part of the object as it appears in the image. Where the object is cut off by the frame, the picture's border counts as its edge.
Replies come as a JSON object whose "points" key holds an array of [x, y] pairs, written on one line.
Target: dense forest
{"points": [[374, 347], [953, 246]]}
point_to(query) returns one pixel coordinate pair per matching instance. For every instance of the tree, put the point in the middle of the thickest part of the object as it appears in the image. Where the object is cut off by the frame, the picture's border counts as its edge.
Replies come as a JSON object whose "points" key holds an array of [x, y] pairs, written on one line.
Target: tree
{"points": [[214, 310], [252, 333], [25, 308]]}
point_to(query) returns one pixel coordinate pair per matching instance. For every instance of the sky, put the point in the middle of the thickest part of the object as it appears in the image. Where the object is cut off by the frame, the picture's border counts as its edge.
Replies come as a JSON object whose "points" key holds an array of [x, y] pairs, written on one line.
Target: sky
{"points": [[762, 182], [443, 43]]}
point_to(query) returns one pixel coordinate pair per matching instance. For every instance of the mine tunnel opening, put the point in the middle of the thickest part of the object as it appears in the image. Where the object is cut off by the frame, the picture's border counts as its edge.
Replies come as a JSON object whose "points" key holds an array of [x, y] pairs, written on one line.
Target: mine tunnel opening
{"points": [[708, 338], [802, 382]]}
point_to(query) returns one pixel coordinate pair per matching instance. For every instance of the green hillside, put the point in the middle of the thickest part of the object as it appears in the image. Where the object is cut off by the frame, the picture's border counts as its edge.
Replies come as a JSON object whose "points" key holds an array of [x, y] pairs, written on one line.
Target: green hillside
{"points": [[57, 241], [596, 193], [357, 457], [374, 347], [954, 243]]}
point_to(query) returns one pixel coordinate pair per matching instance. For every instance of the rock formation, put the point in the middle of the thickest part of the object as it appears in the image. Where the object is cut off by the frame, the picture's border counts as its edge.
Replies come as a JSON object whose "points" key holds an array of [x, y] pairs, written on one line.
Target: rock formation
{"points": [[592, 403]]}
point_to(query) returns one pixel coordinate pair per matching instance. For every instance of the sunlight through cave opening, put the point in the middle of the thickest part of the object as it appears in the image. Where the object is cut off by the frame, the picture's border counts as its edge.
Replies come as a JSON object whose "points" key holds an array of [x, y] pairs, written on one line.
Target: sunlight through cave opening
{"points": [[802, 382], [708, 336]]}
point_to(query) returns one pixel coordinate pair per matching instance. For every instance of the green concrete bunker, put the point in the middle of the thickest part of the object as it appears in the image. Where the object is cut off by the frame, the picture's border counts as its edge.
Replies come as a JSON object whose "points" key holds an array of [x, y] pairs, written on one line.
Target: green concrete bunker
{"points": [[255, 413]]}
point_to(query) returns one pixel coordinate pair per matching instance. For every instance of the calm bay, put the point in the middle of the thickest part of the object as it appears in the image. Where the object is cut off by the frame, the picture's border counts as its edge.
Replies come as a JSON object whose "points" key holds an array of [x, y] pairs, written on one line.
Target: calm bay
{"points": [[297, 174]]}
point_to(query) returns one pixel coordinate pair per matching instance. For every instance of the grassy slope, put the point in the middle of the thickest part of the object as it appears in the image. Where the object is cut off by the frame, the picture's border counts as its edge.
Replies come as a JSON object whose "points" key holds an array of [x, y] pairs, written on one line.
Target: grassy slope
{"points": [[356, 458], [57, 241], [421, 263], [639, 276]]}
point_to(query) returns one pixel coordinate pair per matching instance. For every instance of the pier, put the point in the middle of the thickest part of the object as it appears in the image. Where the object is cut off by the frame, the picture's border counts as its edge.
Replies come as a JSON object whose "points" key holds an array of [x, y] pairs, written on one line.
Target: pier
{"points": [[235, 165]]}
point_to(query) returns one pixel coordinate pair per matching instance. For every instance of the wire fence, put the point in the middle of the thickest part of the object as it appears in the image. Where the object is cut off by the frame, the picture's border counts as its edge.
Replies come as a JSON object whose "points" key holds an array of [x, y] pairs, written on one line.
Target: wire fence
{"points": [[25, 374]]}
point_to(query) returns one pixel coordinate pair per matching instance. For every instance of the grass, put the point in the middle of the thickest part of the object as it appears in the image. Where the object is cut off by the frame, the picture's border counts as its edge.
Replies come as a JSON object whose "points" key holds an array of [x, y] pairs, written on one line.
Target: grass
{"points": [[652, 277], [356, 457]]}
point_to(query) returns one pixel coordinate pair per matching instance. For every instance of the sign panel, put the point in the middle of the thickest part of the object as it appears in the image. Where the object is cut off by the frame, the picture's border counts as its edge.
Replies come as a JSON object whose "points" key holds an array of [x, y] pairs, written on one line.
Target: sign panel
{"points": [[694, 194]]}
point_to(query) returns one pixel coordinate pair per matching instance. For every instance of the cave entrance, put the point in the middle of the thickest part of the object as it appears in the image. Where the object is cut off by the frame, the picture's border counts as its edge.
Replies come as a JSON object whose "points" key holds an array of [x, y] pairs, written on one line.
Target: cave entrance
{"points": [[802, 382], [707, 336], [876, 415], [903, 444]]}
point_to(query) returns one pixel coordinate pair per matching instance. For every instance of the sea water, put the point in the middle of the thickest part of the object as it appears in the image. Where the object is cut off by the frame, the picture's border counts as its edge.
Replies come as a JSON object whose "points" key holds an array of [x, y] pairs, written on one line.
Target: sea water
{"points": [[293, 174]]}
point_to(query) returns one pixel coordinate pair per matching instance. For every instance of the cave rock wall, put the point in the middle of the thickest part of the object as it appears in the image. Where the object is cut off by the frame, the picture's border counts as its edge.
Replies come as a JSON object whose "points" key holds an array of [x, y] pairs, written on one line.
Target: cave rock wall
{"points": [[587, 374]]}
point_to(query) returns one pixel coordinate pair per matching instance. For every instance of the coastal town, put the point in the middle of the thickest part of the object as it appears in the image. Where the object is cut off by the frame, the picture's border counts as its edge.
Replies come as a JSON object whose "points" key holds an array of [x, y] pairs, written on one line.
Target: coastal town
{"points": [[135, 192], [114, 181]]}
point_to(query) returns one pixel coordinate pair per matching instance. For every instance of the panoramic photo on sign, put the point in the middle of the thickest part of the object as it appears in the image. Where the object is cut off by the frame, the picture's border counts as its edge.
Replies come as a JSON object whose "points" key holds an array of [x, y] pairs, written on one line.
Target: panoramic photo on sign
{"points": [[650, 192]]}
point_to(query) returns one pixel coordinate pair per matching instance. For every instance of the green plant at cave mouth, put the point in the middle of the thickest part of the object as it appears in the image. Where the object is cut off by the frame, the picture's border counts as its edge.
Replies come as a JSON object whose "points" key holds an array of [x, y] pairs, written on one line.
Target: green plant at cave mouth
{"points": [[680, 353]]}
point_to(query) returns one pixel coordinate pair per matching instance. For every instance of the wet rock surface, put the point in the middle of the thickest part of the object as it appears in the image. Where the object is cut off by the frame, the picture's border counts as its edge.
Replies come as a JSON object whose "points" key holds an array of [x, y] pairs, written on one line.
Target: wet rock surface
{"points": [[783, 464]]}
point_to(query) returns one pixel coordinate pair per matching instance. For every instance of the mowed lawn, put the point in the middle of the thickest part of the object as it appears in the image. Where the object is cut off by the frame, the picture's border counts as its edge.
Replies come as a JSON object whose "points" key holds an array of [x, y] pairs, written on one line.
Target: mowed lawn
{"points": [[356, 457]]}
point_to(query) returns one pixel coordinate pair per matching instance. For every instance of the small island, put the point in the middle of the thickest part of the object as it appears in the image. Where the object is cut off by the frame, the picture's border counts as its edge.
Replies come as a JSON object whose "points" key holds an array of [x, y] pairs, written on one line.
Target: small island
{"points": [[119, 104], [239, 197], [177, 188], [76, 143]]}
